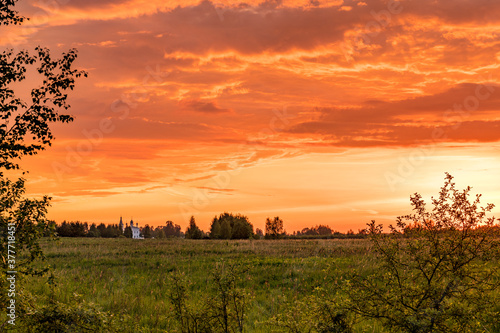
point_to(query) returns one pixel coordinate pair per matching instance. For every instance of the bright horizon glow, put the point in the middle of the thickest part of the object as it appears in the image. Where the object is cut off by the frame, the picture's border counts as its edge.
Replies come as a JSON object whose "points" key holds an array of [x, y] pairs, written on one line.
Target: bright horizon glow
{"points": [[318, 112]]}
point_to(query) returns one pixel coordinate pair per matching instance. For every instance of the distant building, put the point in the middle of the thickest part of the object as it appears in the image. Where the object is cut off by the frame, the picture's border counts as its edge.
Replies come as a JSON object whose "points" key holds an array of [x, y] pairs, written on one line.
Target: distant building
{"points": [[136, 232]]}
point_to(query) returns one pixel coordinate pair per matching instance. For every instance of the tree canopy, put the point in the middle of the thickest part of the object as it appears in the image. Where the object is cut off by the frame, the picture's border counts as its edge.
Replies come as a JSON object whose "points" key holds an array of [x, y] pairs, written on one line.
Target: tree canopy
{"points": [[438, 268], [193, 232], [229, 226], [25, 130], [274, 228]]}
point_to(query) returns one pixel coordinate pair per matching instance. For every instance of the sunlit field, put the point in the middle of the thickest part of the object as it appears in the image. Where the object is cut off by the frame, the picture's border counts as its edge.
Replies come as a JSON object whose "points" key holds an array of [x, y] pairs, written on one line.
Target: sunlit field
{"points": [[129, 277]]}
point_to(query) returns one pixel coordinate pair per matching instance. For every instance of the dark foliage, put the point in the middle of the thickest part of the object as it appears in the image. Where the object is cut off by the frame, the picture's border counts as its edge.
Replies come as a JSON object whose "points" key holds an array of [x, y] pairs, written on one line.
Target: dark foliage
{"points": [[274, 228], [193, 232], [437, 267], [229, 226]]}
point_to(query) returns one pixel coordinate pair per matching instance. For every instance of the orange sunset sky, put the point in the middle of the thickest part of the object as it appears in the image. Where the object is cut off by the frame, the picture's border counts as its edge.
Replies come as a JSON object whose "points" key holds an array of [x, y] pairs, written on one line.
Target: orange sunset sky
{"points": [[318, 111]]}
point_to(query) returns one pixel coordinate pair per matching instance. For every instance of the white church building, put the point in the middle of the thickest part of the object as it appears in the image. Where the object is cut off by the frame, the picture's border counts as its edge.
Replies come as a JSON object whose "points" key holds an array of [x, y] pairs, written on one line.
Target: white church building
{"points": [[136, 232]]}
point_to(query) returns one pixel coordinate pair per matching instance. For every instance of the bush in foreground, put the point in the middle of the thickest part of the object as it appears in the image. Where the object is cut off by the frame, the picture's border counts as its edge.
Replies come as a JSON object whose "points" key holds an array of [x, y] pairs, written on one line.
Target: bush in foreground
{"points": [[438, 268]]}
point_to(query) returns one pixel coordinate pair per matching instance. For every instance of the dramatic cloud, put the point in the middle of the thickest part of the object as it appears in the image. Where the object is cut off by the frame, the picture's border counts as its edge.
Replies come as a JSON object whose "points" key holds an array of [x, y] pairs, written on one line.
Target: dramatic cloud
{"points": [[189, 99], [201, 106], [458, 114]]}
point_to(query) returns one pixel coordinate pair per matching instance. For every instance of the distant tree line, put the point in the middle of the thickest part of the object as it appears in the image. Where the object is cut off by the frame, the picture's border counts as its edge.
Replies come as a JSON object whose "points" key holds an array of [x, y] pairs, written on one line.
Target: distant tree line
{"points": [[325, 232], [84, 229], [224, 226], [230, 226]]}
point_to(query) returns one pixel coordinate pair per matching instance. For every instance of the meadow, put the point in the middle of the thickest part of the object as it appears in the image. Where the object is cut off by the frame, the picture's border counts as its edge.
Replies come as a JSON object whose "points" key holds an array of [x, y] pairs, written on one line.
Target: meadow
{"points": [[286, 283], [129, 278]]}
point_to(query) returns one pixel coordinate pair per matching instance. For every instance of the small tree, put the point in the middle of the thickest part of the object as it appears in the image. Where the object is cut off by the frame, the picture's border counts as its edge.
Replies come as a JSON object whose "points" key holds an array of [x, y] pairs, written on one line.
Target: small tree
{"points": [[223, 310], [147, 231], [189, 318], [274, 228], [172, 230], [193, 232], [93, 232], [438, 268], [215, 229], [227, 307], [127, 232]]}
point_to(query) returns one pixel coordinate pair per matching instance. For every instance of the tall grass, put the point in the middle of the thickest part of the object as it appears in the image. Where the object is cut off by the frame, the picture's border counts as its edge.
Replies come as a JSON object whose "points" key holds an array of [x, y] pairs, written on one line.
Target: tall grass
{"points": [[129, 277]]}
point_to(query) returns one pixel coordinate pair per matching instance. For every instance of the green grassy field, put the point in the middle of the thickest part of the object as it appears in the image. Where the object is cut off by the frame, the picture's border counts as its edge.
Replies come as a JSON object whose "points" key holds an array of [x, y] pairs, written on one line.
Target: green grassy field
{"points": [[129, 277]]}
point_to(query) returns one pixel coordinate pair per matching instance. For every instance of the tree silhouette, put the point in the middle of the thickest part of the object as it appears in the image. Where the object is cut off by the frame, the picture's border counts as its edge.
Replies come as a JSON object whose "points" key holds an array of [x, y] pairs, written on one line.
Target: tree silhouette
{"points": [[146, 231], [127, 232], [438, 269], [215, 229], [274, 228], [172, 230], [25, 130], [193, 232], [229, 226], [93, 232]]}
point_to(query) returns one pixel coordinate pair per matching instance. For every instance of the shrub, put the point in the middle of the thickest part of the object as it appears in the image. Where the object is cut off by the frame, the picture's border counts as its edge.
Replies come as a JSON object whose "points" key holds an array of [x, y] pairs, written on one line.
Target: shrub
{"points": [[223, 310], [313, 314], [438, 268]]}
